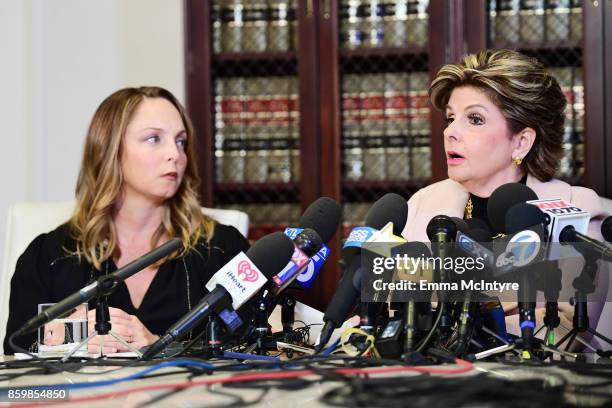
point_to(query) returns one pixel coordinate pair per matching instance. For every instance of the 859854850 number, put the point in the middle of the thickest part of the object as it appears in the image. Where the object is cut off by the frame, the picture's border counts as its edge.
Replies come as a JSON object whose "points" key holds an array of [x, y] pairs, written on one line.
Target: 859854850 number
{"points": [[18, 394]]}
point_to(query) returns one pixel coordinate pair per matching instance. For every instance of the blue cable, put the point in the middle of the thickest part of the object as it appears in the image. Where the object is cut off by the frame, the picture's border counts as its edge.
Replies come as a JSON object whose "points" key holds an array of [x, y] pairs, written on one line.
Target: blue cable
{"points": [[103, 383], [245, 356], [331, 348]]}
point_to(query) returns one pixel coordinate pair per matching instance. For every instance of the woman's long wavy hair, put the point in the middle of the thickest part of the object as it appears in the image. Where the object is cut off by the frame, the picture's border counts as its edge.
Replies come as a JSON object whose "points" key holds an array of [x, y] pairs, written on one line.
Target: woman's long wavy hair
{"points": [[100, 183]]}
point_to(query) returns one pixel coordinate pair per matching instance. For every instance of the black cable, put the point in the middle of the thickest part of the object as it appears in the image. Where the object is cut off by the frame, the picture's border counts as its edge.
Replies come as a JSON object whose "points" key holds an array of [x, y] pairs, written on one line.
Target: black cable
{"points": [[419, 391], [160, 397], [421, 346], [237, 399], [240, 402]]}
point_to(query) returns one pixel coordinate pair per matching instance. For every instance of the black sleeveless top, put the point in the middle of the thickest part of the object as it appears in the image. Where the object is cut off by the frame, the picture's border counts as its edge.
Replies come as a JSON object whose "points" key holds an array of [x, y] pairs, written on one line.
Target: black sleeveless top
{"points": [[480, 208], [46, 273]]}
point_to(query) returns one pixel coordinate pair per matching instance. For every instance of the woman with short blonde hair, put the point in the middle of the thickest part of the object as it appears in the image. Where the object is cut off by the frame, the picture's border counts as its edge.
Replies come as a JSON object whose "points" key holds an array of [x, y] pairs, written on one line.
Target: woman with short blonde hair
{"points": [[505, 117], [523, 90]]}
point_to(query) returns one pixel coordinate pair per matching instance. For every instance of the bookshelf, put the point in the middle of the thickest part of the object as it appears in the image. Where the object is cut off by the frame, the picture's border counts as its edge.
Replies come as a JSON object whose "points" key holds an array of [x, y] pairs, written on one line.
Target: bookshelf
{"points": [[297, 99], [568, 37]]}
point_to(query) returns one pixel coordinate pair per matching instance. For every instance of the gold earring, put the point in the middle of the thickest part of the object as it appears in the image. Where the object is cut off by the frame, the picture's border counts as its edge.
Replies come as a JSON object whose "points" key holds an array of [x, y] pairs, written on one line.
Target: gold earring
{"points": [[517, 160]]}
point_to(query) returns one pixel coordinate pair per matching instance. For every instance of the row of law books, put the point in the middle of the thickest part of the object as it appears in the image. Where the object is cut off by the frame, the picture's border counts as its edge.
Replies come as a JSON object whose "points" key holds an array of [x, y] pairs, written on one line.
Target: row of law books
{"points": [[393, 158], [253, 26], [386, 126], [378, 23], [256, 129], [385, 104], [535, 21]]}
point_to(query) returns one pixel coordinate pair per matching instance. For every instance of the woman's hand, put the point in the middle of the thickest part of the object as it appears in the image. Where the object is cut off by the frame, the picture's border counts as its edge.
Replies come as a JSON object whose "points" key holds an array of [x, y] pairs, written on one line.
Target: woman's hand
{"points": [[129, 327]]}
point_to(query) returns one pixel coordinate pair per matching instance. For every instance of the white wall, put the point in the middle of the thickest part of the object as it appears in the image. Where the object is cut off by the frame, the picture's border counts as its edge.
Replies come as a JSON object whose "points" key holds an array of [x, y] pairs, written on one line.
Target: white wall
{"points": [[58, 60]]}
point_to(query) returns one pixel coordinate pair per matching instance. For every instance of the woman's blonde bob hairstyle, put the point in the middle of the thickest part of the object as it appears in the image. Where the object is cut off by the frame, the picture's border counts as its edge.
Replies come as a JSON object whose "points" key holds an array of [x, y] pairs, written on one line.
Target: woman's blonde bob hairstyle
{"points": [[99, 186], [524, 91]]}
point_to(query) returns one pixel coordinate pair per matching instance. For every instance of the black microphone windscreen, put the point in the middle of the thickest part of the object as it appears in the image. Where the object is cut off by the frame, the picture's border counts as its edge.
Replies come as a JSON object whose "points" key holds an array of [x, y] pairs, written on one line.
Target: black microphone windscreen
{"points": [[389, 208], [323, 216], [460, 224], [503, 198], [309, 242], [346, 294], [479, 235], [271, 253], [413, 249], [522, 216], [606, 229], [478, 224], [441, 223]]}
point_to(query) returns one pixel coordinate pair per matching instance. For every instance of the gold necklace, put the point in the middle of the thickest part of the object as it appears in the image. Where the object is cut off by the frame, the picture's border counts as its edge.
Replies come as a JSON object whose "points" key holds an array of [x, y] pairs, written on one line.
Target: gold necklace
{"points": [[469, 207]]}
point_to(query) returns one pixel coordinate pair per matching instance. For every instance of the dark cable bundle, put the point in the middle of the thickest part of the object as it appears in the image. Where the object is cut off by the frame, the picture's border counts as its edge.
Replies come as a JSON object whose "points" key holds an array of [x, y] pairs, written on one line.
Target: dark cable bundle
{"points": [[426, 391], [299, 336]]}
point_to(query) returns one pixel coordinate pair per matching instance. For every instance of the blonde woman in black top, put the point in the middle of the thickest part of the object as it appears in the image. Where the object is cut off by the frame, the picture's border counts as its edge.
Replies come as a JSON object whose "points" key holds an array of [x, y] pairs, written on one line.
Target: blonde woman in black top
{"points": [[137, 188]]}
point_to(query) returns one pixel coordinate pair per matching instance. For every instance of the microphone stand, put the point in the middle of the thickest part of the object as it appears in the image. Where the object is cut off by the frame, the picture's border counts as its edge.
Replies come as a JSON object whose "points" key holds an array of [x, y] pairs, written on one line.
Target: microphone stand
{"points": [[583, 285], [288, 314], [411, 328], [551, 294], [213, 337], [552, 287], [261, 327], [441, 250], [465, 323], [526, 303], [106, 285]]}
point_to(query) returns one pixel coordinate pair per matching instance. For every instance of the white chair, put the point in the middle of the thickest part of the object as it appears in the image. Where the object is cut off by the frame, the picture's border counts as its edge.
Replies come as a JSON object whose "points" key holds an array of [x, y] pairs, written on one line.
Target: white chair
{"points": [[25, 221]]}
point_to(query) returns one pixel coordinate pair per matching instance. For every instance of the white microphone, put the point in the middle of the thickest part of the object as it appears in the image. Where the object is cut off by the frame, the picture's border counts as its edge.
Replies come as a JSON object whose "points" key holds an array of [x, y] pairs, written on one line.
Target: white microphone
{"points": [[232, 286], [561, 214]]}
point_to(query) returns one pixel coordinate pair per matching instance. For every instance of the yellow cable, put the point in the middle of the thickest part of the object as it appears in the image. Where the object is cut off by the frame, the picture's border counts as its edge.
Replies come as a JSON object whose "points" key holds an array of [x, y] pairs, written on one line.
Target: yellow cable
{"points": [[369, 339]]}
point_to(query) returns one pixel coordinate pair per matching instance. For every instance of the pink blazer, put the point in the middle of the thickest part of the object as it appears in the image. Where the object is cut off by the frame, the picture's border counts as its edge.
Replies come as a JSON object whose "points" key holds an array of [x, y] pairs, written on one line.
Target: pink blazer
{"points": [[449, 198]]}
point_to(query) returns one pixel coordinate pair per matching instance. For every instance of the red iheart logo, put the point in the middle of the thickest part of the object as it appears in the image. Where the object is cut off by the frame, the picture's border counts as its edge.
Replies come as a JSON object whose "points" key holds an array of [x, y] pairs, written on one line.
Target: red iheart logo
{"points": [[248, 273]]}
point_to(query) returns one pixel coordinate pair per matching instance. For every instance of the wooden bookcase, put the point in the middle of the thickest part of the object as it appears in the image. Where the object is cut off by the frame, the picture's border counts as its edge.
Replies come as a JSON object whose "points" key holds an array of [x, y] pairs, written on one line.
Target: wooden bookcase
{"points": [[323, 61]]}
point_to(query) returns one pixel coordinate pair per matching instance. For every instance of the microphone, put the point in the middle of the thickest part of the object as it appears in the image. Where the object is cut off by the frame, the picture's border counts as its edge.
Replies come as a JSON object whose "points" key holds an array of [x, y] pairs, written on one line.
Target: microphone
{"points": [[104, 286], [306, 244], [442, 231], [391, 208], [478, 231], [520, 233], [504, 198], [568, 225], [520, 217], [475, 241], [461, 224], [606, 228], [324, 216], [321, 219], [585, 244], [319, 223], [412, 307], [478, 227], [561, 214], [233, 285]]}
